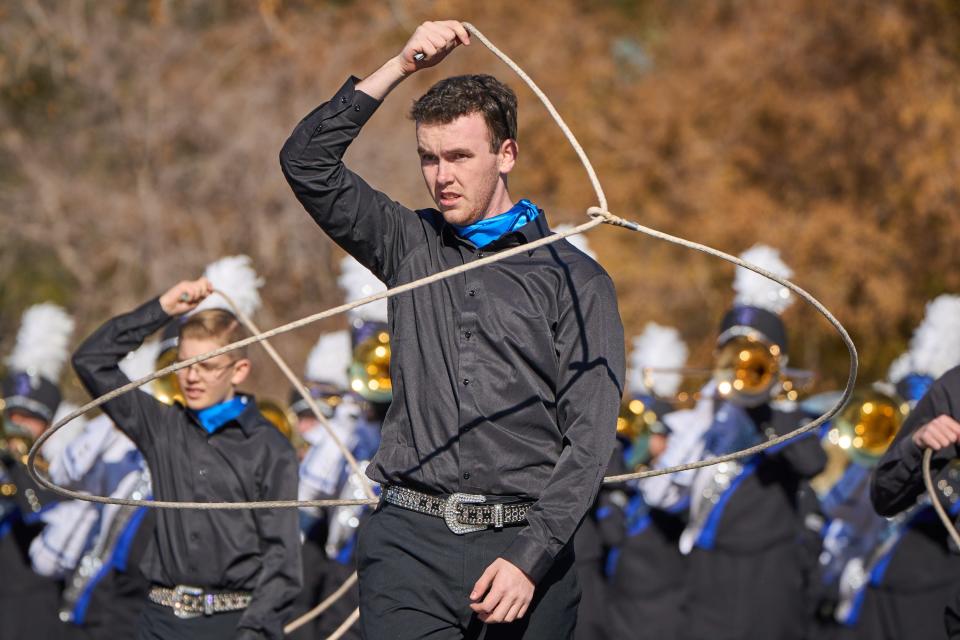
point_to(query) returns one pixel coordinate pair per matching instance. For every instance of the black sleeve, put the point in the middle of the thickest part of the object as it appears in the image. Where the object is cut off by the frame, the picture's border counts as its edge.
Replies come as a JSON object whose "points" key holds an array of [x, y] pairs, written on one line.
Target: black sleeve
{"points": [[590, 349], [897, 481], [97, 363], [804, 456], [367, 224], [280, 579]]}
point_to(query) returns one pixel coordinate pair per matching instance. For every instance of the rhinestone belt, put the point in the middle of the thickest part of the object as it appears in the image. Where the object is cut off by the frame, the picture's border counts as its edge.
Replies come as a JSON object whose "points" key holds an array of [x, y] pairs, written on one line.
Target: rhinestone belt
{"points": [[463, 512], [193, 602]]}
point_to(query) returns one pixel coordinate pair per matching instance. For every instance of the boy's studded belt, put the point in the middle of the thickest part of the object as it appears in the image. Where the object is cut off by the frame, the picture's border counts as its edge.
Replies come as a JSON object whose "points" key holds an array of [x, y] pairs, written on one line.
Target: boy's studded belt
{"points": [[463, 512]]}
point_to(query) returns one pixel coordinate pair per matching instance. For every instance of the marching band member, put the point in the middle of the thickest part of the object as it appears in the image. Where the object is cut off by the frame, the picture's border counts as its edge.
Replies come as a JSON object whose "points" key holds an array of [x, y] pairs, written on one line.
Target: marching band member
{"points": [[746, 574], [31, 397], [646, 569]]}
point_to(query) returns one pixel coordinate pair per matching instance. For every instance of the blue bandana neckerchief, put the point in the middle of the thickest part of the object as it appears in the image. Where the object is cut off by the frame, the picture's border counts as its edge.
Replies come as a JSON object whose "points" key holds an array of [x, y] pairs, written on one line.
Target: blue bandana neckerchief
{"points": [[489, 230], [213, 418]]}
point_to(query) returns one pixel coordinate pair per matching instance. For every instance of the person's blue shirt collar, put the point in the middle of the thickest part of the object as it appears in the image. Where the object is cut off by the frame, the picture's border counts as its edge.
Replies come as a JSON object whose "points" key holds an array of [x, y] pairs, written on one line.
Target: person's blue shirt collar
{"points": [[484, 232], [215, 417]]}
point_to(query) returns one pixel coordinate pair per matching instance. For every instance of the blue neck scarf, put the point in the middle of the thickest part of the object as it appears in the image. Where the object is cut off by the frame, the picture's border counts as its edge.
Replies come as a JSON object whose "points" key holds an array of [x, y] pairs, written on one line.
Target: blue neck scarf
{"points": [[486, 231], [213, 418]]}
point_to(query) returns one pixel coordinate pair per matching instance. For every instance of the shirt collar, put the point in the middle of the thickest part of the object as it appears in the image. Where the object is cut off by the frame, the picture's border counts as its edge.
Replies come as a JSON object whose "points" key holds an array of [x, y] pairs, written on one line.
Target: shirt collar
{"points": [[248, 419], [533, 230]]}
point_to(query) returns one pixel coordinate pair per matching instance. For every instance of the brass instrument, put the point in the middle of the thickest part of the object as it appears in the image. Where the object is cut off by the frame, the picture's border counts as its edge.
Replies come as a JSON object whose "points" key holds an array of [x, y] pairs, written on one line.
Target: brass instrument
{"points": [[167, 389], [279, 417], [748, 370], [860, 433], [635, 419], [370, 369], [867, 425]]}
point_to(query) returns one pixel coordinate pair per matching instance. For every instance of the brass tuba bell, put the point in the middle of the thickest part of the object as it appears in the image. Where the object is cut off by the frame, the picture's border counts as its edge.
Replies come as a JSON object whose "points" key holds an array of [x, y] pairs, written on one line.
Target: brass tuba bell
{"points": [[370, 369], [167, 389], [747, 369], [867, 425]]}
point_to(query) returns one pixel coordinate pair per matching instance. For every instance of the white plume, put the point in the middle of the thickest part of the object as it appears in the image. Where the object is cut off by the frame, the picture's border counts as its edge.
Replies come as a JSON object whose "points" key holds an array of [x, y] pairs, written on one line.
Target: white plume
{"points": [[141, 362], [330, 358], [579, 241], [754, 290], [235, 276], [358, 282], [900, 368], [935, 345], [660, 347], [43, 341]]}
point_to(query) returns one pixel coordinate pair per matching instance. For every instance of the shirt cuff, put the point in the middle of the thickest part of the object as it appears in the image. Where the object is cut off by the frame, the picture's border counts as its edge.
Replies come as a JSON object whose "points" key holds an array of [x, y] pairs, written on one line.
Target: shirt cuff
{"points": [[911, 455], [529, 556], [355, 106]]}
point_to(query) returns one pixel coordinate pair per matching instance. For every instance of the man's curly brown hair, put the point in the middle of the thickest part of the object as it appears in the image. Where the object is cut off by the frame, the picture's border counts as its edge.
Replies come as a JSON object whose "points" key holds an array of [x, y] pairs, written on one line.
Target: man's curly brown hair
{"points": [[458, 96]]}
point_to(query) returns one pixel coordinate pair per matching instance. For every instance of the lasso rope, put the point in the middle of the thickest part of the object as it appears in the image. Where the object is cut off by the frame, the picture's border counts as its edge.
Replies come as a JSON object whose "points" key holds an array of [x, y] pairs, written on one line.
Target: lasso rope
{"points": [[304, 393], [599, 214], [935, 499]]}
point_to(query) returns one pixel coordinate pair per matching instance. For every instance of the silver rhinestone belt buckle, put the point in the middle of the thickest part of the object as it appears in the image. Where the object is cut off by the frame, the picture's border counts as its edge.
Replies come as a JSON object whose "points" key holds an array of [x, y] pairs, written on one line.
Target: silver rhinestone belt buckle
{"points": [[451, 511], [187, 602]]}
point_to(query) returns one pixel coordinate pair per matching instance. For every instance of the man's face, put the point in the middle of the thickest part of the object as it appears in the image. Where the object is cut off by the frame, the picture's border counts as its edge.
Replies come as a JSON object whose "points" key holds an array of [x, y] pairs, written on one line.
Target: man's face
{"points": [[212, 381], [461, 172]]}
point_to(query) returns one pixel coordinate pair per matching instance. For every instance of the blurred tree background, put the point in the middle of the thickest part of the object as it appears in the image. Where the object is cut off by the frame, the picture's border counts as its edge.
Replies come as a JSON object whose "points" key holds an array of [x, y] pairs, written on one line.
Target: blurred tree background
{"points": [[139, 140]]}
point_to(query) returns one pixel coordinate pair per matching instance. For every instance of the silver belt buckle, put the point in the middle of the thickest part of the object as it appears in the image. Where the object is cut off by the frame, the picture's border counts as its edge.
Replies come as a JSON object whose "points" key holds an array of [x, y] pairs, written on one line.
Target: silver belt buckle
{"points": [[187, 602], [450, 513]]}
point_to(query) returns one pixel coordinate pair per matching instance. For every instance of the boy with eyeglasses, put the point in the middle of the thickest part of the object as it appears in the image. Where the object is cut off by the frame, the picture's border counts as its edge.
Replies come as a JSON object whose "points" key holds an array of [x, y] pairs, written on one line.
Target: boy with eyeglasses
{"points": [[221, 573]]}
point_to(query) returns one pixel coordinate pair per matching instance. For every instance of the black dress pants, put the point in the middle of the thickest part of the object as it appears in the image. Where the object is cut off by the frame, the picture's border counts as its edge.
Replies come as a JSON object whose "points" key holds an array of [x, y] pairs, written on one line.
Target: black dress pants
{"points": [[416, 577], [160, 623]]}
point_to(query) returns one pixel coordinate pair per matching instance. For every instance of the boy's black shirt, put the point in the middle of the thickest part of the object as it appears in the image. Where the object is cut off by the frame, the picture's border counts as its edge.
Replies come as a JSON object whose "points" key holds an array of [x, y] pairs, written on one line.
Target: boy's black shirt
{"points": [[247, 459]]}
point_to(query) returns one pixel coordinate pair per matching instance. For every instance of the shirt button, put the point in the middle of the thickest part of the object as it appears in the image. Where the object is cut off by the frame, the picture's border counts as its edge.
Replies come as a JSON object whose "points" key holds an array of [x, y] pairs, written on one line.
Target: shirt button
{"points": [[356, 108], [472, 292], [343, 99], [466, 381], [467, 334], [466, 476], [202, 472], [194, 537]]}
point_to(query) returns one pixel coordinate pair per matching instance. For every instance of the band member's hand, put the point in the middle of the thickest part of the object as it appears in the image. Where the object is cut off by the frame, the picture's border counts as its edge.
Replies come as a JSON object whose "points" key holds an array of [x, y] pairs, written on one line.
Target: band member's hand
{"points": [[940, 432], [506, 591], [185, 296], [434, 40]]}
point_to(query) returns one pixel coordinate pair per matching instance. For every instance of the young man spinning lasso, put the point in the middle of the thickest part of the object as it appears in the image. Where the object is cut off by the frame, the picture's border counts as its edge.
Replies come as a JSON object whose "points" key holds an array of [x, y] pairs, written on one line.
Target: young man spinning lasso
{"points": [[506, 379]]}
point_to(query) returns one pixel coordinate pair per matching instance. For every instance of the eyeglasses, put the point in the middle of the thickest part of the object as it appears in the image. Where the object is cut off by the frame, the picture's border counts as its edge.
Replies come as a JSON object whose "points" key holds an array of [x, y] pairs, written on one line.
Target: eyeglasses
{"points": [[206, 370]]}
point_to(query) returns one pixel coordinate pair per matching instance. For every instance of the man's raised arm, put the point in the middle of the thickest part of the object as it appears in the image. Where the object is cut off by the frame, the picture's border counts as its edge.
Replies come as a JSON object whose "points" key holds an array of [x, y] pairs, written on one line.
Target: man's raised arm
{"points": [[366, 223]]}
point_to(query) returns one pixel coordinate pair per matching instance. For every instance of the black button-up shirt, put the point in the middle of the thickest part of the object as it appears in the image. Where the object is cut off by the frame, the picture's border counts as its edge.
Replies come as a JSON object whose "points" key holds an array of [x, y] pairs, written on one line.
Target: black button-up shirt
{"points": [[246, 459], [506, 379], [897, 481], [925, 557]]}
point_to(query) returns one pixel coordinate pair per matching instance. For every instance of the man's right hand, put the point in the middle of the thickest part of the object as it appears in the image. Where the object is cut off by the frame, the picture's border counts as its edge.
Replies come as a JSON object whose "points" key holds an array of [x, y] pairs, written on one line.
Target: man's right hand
{"points": [[434, 40], [942, 431], [185, 296]]}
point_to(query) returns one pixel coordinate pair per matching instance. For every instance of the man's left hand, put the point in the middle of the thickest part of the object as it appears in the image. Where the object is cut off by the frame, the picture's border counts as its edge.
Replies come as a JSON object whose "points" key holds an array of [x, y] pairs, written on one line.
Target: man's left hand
{"points": [[506, 591]]}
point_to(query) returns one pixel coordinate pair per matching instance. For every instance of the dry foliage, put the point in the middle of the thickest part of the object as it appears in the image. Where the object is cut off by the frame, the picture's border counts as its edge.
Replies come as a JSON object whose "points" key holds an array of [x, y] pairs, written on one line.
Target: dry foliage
{"points": [[138, 142]]}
